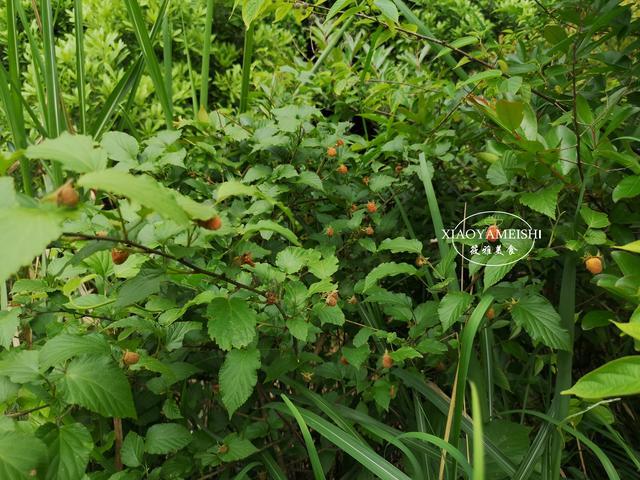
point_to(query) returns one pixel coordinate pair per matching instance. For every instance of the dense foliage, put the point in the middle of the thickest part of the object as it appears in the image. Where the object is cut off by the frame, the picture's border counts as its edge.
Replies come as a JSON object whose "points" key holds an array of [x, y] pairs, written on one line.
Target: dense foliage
{"points": [[225, 251]]}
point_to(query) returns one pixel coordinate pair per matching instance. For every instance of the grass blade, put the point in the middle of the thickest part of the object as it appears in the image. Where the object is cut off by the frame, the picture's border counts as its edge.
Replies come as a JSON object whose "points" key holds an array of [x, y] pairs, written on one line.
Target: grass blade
{"points": [[153, 67], [167, 62], [478, 446], [272, 466], [206, 54], [79, 32], [247, 55], [318, 473]]}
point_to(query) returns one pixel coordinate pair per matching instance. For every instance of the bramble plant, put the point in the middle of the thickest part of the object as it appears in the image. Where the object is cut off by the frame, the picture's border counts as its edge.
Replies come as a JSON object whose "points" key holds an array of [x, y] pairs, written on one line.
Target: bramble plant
{"points": [[226, 246]]}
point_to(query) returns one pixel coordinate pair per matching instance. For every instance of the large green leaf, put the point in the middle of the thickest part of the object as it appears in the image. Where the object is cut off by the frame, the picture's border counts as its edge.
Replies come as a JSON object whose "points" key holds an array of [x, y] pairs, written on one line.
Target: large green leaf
{"points": [[74, 152], [69, 449], [510, 114], [163, 438], [64, 346], [97, 384], [132, 450], [543, 201], [21, 366], [232, 324], [538, 317], [238, 376], [386, 270], [25, 233], [142, 189], [451, 308], [616, 378], [401, 244], [269, 225], [20, 453]]}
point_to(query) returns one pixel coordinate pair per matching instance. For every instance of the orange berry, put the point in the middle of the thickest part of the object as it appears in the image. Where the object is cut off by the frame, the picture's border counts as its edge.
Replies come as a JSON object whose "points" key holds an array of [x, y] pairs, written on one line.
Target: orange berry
{"points": [[372, 207], [398, 169], [343, 360], [594, 265], [332, 152], [340, 142], [272, 298], [420, 261], [354, 207], [213, 223], [330, 231], [332, 299], [491, 313], [130, 358], [119, 256], [342, 169], [222, 449], [387, 361], [365, 180], [493, 233], [369, 230], [67, 196]]}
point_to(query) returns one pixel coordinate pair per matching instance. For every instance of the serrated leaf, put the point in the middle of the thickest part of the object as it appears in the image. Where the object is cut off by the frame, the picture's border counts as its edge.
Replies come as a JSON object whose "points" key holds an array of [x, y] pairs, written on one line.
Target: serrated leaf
{"points": [[387, 270], [64, 346], [538, 317], [356, 356], [404, 353], [69, 449], [74, 152], [543, 201], [388, 9], [238, 376], [324, 268], [107, 393], [237, 448], [163, 438], [401, 244], [21, 366], [141, 189], [451, 308], [132, 451], [269, 225], [232, 323], [20, 453], [594, 219], [326, 314], [616, 378], [25, 233], [121, 147]]}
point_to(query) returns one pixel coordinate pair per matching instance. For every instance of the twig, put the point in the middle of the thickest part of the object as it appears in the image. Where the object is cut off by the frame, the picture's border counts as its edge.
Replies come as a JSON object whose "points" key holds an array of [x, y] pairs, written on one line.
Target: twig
{"points": [[26, 412]]}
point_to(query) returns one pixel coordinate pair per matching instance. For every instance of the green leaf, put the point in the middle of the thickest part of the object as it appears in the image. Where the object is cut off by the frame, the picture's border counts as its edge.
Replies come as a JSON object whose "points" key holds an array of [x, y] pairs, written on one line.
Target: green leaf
{"points": [[74, 152], [486, 75], [232, 323], [132, 451], [510, 114], [401, 244], [388, 9], [163, 438], [326, 314], [25, 233], [594, 219], [616, 378], [324, 268], [269, 225], [629, 187], [97, 384], [356, 356], [336, 7], [387, 270], [404, 353], [238, 376], [451, 308], [64, 346], [121, 147], [69, 449], [251, 10], [543, 201], [9, 321], [633, 247], [20, 453], [632, 329], [238, 448], [536, 315], [142, 189], [21, 366]]}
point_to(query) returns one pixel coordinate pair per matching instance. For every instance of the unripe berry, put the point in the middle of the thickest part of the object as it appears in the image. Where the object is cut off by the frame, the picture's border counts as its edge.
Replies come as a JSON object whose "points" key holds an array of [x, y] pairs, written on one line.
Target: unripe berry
{"points": [[594, 265], [332, 299]]}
